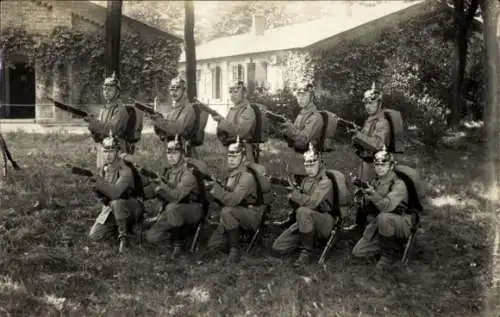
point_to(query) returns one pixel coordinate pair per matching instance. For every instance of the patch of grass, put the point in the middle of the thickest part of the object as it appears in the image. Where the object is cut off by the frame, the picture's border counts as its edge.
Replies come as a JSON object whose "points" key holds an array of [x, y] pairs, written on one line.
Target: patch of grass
{"points": [[49, 267]]}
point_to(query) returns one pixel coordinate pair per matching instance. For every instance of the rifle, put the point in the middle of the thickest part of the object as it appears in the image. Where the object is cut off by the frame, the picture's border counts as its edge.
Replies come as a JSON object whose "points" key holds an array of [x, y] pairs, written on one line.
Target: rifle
{"points": [[79, 112], [147, 109], [207, 109], [334, 237], [80, 171], [276, 117], [6, 155], [349, 123], [286, 182]]}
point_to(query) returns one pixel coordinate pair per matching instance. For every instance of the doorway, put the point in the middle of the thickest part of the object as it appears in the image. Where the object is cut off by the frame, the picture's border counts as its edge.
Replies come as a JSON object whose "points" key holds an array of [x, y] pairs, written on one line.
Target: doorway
{"points": [[22, 92]]}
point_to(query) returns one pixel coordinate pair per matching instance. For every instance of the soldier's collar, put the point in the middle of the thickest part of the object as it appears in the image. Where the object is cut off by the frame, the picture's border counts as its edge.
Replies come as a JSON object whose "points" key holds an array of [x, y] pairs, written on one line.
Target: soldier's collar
{"points": [[180, 103], [378, 115], [242, 104], [309, 108], [389, 177]]}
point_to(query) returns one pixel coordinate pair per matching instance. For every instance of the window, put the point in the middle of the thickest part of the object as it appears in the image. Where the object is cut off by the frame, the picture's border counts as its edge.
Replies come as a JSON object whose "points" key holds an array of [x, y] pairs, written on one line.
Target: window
{"points": [[238, 72], [216, 82]]}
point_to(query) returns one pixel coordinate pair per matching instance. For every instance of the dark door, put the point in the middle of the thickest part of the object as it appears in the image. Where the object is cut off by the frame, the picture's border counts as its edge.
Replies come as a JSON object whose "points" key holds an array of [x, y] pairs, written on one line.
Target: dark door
{"points": [[22, 92]]}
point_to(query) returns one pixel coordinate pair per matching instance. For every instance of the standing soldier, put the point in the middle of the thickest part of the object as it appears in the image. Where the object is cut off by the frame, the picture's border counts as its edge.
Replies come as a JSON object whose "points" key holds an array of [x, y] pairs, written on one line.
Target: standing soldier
{"points": [[113, 117], [116, 187], [241, 120], [179, 190], [314, 210], [239, 198], [386, 196], [375, 134], [180, 119], [306, 129]]}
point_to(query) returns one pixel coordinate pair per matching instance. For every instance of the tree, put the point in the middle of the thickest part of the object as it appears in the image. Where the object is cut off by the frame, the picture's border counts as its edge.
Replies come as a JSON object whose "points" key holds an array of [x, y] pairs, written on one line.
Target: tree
{"points": [[464, 13], [113, 28], [190, 49]]}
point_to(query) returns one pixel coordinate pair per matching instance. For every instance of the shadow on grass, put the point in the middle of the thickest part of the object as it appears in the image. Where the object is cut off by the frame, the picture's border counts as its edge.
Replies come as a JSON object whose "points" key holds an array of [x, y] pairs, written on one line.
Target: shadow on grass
{"points": [[45, 249]]}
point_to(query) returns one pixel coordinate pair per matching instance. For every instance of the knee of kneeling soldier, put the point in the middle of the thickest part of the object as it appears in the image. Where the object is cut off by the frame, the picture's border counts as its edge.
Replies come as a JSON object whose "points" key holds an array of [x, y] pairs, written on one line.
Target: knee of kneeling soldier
{"points": [[304, 212], [172, 207], [385, 225]]}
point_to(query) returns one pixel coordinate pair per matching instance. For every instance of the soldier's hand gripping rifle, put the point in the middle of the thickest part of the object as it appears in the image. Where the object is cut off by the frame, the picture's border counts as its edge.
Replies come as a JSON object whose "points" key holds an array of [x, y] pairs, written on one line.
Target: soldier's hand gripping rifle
{"points": [[148, 110], [276, 117], [289, 185], [88, 173], [350, 125]]}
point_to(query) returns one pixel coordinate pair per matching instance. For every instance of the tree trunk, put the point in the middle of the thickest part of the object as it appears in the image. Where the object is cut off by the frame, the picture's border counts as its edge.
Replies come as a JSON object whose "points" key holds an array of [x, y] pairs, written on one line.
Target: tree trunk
{"points": [[113, 28], [491, 12], [463, 22], [190, 47]]}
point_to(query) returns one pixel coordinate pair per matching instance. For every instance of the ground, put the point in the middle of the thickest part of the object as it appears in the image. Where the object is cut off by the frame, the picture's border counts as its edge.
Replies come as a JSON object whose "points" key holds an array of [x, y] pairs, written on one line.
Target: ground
{"points": [[49, 268]]}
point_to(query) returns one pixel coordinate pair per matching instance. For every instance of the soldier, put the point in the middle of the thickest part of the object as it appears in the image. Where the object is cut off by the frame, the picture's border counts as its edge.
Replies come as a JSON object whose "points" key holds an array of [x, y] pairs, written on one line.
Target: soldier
{"points": [[387, 197], [240, 120], [180, 192], [375, 132], [114, 117], [314, 207], [115, 186], [306, 128], [180, 119], [239, 198]]}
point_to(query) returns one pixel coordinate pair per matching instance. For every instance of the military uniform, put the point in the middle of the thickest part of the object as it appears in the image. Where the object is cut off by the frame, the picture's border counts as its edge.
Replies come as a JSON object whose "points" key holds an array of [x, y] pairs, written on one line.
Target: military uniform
{"points": [[183, 207], [113, 117], [306, 129], [123, 210], [376, 131], [314, 202], [238, 197], [179, 120], [241, 121], [391, 225]]}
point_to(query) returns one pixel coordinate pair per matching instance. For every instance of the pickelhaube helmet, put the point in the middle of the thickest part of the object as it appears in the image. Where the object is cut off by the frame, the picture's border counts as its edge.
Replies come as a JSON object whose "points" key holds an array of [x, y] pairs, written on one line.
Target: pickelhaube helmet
{"points": [[177, 83], [372, 94], [383, 157], [307, 87], [311, 156], [112, 81], [174, 145], [237, 84], [237, 147], [111, 143]]}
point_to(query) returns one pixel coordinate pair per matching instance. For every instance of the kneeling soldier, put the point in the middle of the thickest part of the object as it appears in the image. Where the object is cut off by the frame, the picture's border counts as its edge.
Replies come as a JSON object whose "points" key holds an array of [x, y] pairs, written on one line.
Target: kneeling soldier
{"points": [[179, 190], [387, 197], [115, 186], [313, 203], [239, 198]]}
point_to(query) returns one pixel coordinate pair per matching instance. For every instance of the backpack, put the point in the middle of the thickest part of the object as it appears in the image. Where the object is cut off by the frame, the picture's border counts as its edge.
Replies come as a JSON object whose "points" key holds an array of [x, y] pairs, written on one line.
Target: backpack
{"points": [[264, 194], [397, 128], [261, 131], [341, 194], [139, 181], [199, 169], [414, 185], [134, 124], [197, 136], [327, 131]]}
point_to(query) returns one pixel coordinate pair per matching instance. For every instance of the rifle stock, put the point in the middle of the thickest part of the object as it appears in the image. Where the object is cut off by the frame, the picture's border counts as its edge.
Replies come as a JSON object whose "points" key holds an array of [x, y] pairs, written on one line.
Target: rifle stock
{"points": [[282, 182], [81, 171], [6, 154], [147, 109]]}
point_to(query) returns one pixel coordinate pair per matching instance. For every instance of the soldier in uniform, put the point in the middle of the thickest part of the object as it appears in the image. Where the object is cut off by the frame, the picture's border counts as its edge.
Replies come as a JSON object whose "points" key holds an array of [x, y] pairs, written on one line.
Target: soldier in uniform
{"points": [[180, 119], [240, 120], [306, 128], [239, 197], [180, 192], [313, 204], [115, 186], [375, 131], [387, 198], [114, 117]]}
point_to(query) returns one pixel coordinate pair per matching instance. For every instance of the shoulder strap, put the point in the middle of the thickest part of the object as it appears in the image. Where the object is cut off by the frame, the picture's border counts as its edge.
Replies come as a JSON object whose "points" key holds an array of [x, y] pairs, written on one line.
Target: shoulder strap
{"points": [[201, 186], [335, 188], [258, 123]]}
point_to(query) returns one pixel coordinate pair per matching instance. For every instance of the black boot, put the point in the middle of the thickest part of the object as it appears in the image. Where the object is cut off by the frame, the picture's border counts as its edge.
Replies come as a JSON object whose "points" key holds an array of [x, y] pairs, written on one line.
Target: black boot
{"points": [[122, 235], [176, 237], [307, 240], [389, 248], [234, 245]]}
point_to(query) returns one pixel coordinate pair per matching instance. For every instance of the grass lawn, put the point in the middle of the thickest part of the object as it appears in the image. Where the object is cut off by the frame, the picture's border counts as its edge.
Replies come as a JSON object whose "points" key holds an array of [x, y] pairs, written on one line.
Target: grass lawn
{"points": [[49, 268]]}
